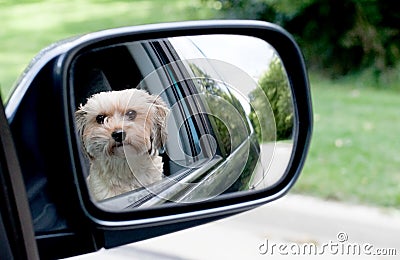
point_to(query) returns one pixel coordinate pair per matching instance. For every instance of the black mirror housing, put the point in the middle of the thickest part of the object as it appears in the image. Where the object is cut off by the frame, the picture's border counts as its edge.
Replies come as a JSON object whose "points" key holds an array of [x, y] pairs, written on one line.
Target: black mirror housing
{"points": [[55, 169]]}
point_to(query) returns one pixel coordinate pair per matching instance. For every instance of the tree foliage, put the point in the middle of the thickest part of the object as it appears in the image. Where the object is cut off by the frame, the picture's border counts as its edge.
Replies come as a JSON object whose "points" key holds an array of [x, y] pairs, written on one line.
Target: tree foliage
{"points": [[336, 36], [273, 95]]}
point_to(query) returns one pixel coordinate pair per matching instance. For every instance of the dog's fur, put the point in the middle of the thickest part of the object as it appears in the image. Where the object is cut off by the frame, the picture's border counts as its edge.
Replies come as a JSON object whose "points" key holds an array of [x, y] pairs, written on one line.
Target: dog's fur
{"points": [[118, 167]]}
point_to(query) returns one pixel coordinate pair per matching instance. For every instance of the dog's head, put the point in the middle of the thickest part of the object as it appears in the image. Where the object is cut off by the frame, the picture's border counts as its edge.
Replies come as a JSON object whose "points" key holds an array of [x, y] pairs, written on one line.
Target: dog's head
{"points": [[118, 122]]}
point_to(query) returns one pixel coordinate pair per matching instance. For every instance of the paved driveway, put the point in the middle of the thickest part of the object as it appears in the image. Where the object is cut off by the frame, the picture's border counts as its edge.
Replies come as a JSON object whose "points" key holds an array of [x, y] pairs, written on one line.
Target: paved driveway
{"points": [[295, 225]]}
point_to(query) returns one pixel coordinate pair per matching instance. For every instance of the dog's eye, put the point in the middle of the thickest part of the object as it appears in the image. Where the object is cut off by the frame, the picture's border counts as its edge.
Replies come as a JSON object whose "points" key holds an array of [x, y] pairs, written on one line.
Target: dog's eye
{"points": [[131, 114], [100, 119]]}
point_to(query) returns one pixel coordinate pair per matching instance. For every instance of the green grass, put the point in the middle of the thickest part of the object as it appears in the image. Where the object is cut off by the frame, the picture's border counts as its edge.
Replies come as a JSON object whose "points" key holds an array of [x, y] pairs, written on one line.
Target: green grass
{"points": [[354, 153], [29, 26]]}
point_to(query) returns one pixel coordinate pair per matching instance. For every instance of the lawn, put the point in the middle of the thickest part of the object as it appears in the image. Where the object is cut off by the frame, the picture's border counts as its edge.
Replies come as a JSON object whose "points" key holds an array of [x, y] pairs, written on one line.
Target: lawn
{"points": [[354, 154], [30, 25]]}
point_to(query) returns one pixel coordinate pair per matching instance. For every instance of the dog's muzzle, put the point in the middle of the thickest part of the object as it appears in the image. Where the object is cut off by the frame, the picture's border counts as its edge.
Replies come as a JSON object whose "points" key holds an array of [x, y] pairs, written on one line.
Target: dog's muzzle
{"points": [[118, 136]]}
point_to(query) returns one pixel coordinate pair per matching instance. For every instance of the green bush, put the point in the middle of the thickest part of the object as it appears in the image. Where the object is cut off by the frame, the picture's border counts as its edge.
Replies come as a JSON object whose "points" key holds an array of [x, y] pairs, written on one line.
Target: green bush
{"points": [[275, 87]]}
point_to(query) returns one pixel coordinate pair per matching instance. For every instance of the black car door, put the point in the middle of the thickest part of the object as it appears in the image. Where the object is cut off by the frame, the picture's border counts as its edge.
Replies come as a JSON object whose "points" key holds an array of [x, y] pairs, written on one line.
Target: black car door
{"points": [[17, 240]]}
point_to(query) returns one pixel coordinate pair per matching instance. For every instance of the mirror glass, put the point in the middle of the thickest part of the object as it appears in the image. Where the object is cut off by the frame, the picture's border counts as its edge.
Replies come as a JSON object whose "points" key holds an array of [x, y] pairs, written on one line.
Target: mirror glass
{"points": [[181, 119]]}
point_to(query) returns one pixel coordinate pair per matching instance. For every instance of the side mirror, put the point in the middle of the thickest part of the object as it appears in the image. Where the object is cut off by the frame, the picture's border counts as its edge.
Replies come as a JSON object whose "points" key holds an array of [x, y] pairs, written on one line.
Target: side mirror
{"points": [[168, 126]]}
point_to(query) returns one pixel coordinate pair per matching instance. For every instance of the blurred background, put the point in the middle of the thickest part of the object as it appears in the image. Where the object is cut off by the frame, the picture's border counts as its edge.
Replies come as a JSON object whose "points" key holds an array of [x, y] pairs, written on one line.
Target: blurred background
{"points": [[351, 48]]}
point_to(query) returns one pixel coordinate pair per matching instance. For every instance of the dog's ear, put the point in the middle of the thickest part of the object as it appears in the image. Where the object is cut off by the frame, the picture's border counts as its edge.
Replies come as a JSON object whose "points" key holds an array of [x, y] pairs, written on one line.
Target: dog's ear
{"points": [[80, 122], [159, 132]]}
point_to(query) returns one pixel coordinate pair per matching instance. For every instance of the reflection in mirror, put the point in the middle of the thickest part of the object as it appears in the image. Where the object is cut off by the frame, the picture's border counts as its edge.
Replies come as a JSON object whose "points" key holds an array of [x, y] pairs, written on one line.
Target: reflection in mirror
{"points": [[182, 119]]}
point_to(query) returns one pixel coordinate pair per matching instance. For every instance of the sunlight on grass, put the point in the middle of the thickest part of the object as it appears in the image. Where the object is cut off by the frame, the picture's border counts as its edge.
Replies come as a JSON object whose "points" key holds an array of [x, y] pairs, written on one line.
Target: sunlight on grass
{"points": [[30, 26]]}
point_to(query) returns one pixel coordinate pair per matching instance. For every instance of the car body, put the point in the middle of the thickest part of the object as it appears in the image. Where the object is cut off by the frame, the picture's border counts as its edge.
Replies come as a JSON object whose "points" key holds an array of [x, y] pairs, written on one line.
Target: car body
{"points": [[223, 156]]}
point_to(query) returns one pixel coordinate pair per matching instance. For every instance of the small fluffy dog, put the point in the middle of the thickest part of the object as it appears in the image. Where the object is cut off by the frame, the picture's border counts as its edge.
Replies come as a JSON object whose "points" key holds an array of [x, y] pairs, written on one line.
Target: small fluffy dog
{"points": [[121, 132]]}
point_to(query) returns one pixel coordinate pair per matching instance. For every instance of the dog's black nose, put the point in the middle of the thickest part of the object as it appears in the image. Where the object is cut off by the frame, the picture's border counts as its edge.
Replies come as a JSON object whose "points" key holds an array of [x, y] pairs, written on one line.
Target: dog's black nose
{"points": [[118, 136]]}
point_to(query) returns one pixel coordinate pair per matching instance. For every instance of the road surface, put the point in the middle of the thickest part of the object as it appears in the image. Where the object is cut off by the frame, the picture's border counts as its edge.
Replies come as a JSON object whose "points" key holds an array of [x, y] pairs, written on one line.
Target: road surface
{"points": [[294, 225]]}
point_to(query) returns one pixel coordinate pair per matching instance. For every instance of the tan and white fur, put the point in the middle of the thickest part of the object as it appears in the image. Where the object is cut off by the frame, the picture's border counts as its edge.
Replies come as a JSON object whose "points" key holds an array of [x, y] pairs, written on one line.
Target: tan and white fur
{"points": [[121, 132]]}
